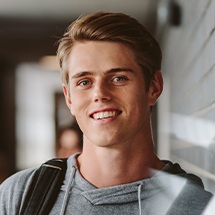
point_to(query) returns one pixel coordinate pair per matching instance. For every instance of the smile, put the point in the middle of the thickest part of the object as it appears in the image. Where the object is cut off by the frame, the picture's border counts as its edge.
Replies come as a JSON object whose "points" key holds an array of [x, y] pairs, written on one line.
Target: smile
{"points": [[105, 114]]}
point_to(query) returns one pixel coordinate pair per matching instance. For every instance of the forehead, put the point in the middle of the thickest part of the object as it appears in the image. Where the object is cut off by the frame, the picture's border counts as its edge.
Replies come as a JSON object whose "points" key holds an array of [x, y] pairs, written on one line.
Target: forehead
{"points": [[99, 55]]}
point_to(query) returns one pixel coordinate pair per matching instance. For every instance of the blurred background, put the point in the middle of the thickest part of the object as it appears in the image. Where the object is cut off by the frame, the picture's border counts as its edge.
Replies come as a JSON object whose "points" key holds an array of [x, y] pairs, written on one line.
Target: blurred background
{"points": [[32, 108]]}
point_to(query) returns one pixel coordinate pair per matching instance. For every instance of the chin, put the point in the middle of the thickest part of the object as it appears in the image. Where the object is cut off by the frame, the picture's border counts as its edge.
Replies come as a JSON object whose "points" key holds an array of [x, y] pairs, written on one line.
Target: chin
{"points": [[104, 141]]}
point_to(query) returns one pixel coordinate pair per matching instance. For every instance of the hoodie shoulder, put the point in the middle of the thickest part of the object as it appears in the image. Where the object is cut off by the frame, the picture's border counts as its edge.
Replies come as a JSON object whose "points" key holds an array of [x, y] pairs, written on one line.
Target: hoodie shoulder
{"points": [[12, 191], [176, 169], [193, 198]]}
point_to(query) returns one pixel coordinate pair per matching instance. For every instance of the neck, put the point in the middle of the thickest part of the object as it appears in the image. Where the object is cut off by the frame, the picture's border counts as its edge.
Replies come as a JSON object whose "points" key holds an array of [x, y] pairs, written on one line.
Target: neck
{"points": [[104, 167]]}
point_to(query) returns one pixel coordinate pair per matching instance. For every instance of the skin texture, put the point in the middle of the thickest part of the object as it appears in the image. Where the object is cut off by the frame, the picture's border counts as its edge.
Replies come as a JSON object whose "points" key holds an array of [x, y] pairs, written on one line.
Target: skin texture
{"points": [[105, 81]]}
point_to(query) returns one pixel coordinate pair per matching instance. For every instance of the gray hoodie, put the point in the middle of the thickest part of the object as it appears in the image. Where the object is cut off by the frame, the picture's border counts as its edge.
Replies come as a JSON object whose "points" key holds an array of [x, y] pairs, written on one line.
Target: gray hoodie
{"points": [[171, 191]]}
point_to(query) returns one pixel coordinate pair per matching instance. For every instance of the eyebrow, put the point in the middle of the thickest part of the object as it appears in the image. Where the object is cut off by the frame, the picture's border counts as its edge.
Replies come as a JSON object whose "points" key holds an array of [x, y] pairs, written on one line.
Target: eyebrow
{"points": [[113, 70], [81, 74]]}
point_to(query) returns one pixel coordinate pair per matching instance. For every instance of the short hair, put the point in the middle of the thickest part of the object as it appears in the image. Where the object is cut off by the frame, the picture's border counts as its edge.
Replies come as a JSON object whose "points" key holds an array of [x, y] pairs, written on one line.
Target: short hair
{"points": [[112, 27]]}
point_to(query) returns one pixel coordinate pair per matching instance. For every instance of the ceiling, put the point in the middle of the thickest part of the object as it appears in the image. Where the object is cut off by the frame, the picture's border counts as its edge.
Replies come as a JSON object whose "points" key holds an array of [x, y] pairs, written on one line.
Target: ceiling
{"points": [[30, 28]]}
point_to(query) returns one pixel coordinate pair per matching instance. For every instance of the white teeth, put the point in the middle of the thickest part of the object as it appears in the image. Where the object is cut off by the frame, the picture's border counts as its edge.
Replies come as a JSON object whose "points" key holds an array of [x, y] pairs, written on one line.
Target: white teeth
{"points": [[100, 115], [103, 115]]}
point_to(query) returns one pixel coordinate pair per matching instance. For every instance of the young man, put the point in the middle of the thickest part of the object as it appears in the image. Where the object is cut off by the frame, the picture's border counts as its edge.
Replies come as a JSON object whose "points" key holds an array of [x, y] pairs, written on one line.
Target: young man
{"points": [[110, 67]]}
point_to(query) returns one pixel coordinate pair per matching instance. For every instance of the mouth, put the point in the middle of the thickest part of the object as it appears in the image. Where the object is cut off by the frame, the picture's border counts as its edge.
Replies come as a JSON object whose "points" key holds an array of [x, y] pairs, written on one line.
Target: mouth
{"points": [[105, 114]]}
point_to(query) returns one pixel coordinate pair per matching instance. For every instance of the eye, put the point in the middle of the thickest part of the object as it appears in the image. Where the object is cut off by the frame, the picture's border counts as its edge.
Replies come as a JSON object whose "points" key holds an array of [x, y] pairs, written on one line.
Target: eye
{"points": [[120, 79], [84, 83]]}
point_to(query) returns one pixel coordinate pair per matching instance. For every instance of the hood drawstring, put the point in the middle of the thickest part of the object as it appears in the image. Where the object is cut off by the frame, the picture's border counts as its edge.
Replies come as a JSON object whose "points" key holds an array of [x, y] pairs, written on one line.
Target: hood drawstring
{"points": [[68, 187], [139, 198]]}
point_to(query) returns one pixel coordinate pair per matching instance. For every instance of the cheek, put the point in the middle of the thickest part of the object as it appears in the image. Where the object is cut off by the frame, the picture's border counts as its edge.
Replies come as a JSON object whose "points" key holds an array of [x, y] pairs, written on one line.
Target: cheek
{"points": [[75, 100], [74, 108], [72, 111], [79, 104], [140, 103]]}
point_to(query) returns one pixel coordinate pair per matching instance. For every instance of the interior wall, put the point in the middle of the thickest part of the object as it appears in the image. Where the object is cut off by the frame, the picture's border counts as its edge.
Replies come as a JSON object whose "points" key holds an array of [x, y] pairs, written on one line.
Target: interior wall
{"points": [[35, 114], [189, 66], [7, 121]]}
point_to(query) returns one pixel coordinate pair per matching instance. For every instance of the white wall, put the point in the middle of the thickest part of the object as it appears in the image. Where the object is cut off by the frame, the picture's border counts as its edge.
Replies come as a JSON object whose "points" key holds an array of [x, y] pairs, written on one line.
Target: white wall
{"points": [[35, 126], [189, 65]]}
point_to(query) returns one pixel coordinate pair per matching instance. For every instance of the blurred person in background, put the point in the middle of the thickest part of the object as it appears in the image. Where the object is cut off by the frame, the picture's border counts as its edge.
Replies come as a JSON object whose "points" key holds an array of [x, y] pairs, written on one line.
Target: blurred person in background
{"points": [[111, 73], [70, 141]]}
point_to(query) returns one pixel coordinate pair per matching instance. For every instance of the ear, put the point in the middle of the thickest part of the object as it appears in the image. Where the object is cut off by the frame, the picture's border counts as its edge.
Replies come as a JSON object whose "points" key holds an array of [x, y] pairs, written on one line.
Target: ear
{"points": [[155, 88], [67, 98]]}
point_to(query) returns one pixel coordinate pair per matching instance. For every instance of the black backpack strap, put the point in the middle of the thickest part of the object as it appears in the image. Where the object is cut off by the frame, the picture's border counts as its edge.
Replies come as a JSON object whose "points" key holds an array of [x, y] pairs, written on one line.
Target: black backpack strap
{"points": [[44, 188]]}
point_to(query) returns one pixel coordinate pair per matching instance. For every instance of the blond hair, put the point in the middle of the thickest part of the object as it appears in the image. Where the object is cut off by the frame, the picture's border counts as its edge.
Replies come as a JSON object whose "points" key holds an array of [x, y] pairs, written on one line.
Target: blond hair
{"points": [[114, 27]]}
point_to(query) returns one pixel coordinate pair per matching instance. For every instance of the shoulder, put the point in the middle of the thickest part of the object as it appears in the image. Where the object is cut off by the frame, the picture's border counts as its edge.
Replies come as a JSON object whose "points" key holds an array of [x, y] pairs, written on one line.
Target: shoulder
{"points": [[192, 194], [192, 200], [13, 189], [17, 181], [175, 169]]}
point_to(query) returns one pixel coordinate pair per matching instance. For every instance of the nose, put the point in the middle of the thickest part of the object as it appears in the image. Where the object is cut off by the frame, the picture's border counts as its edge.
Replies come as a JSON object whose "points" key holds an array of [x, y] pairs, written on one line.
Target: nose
{"points": [[101, 92]]}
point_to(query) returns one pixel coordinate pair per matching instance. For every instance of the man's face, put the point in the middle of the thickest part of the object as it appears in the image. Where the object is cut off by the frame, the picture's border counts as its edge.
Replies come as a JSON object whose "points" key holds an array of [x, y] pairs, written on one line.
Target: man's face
{"points": [[107, 93]]}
